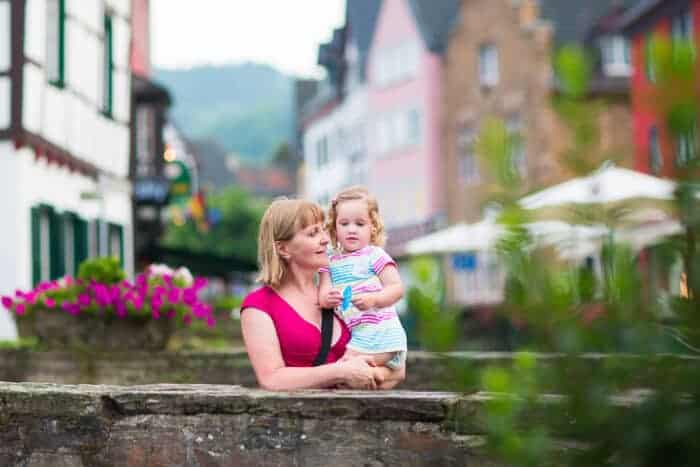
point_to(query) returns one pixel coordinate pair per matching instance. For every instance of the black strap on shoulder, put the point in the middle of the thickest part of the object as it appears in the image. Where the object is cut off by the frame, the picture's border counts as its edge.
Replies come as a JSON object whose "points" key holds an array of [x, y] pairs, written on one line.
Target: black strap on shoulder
{"points": [[326, 335]]}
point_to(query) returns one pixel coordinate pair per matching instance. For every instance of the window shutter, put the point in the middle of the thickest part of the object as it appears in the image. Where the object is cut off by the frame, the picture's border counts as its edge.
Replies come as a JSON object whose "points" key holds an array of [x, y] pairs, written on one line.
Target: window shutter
{"points": [[80, 241], [36, 245], [57, 245], [120, 233]]}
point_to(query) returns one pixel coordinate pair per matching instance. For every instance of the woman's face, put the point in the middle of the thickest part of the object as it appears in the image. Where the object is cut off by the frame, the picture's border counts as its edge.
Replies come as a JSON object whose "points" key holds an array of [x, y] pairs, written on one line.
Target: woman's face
{"points": [[307, 248]]}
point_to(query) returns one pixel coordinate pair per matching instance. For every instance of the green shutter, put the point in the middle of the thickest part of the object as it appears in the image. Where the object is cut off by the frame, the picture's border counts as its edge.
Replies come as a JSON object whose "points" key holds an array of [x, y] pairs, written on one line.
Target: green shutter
{"points": [[109, 65], [57, 245], [61, 42], [36, 245], [80, 242], [98, 237], [120, 232]]}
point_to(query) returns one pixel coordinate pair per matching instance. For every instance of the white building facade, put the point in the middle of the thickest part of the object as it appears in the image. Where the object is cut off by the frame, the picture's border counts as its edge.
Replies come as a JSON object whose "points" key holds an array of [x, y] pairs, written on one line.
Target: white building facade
{"points": [[335, 150], [64, 138]]}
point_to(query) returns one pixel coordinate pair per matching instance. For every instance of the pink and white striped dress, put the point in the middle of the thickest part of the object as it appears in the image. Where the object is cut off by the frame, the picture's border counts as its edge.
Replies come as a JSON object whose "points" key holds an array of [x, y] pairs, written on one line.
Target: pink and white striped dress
{"points": [[376, 330]]}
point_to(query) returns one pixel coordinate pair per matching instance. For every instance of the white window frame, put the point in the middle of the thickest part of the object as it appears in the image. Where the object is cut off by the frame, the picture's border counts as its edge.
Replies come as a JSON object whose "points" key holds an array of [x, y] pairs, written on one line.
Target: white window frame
{"points": [[45, 241], [516, 142], [467, 163], [55, 42], [615, 53], [489, 73]]}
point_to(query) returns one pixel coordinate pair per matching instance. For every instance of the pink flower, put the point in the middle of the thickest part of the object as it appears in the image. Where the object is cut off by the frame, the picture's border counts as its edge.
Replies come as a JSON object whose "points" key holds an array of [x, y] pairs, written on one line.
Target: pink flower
{"points": [[84, 300], [187, 319], [174, 295], [200, 282], [20, 309], [170, 314], [211, 322], [189, 296], [7, 302], [155, 314], [19, 293], [168, 279], [49, 302]]}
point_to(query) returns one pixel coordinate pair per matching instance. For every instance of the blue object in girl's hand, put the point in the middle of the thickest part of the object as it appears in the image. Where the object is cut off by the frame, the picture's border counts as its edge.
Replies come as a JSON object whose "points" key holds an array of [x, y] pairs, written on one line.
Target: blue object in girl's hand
{"points": [[347, 296]]}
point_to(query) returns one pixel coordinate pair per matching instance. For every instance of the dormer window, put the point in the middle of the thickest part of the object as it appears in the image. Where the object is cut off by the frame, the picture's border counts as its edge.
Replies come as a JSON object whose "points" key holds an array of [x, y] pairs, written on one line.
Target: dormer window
{"points": [[488, 65], [615, 52]]}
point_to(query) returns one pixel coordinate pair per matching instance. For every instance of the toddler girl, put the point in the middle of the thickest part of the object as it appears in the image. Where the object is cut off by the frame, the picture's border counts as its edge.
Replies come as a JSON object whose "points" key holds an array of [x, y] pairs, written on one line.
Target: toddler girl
{"points": [[362, 280]]}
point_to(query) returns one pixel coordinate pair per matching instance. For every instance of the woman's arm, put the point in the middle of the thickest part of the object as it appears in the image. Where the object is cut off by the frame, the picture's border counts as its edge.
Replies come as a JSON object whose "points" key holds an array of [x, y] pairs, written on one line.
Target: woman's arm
{"points": [[392, 291], [262, 345]]}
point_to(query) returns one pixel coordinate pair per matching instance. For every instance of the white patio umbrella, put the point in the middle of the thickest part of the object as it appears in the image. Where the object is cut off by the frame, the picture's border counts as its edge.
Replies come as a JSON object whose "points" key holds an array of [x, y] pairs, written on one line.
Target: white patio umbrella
{"points": [[457, 238], [484, 235], [610, 194]]}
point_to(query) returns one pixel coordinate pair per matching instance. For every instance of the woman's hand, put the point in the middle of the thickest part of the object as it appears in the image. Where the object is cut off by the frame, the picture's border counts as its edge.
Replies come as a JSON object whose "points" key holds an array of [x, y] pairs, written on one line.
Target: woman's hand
{"points": [[331, 299], [358, 373]]}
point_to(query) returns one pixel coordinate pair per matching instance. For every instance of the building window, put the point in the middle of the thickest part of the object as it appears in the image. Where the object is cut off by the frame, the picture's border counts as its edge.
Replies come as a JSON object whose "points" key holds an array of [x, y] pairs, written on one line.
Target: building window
{"points": [[616, 56], [488, 65], [413, 127], [145, 141], [516, 144], [686, 147], [649, 59], [108, 67], [398, 130], [397, 63], [656, 160], [56, 41], [682, 26], [115, 242], [467, 165]]}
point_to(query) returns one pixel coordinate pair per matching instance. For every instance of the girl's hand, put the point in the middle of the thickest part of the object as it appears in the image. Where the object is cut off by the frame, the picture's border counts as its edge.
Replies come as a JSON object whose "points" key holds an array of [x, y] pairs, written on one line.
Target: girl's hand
{"points": [[332, 299], [364, 301]]}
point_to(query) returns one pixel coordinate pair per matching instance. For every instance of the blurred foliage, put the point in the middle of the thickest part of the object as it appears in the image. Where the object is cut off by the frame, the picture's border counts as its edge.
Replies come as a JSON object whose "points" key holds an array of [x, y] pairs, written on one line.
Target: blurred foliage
{"points": [[235, 235], [623, 386], [105, 270]]}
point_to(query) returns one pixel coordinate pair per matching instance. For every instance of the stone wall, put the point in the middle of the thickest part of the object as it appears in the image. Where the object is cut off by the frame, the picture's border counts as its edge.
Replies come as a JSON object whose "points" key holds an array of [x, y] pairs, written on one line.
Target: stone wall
{"points": [[457, 371], [426, 371], [45, 425]]}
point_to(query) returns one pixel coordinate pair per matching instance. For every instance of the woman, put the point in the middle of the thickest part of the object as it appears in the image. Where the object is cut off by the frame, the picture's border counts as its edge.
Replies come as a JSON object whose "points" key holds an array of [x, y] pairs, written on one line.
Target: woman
{"points": [[281, 320]]}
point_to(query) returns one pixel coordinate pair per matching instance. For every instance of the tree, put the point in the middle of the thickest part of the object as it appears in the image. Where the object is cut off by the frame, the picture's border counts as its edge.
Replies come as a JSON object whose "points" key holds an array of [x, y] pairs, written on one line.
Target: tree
{"points": [[233, 229]]}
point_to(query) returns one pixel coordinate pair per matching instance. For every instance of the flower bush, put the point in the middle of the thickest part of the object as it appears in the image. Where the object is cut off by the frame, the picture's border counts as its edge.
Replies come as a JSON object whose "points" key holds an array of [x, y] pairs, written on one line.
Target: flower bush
{"points": [[100, 288]]}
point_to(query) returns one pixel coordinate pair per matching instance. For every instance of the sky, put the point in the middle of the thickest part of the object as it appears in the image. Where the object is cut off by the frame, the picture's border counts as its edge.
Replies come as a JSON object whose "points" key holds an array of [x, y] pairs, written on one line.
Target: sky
{"points": [[282, 33]]}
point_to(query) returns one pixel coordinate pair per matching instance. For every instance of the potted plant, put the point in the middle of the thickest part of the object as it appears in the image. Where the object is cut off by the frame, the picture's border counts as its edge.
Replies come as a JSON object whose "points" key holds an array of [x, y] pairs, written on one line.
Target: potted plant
{"points": [[102, 310]]}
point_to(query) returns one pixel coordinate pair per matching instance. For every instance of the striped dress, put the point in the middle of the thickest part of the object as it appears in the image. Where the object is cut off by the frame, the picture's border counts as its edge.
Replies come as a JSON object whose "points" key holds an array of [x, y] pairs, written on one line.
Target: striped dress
{"points": [[376, 330]]}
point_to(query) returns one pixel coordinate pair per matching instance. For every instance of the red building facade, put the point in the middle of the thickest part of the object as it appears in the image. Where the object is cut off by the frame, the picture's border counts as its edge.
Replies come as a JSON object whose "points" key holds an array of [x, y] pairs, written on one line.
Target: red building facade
{"points": [[658, 151]]}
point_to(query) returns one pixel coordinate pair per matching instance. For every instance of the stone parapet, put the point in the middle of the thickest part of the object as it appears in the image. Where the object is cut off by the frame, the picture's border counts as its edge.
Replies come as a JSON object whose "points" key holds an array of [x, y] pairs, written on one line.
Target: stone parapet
{"points": [[208, 425]]}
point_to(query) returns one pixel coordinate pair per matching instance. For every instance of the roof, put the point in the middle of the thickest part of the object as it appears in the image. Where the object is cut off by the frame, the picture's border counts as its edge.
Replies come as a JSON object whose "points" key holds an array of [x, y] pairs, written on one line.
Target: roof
{"points": [[435, 19], [573, 20], [361, 18], [646, 13]]}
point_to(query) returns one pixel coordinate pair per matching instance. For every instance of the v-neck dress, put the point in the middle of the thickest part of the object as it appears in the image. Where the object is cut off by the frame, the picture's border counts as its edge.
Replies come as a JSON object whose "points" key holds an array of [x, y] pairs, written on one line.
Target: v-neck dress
{"points": [[300, 340]]}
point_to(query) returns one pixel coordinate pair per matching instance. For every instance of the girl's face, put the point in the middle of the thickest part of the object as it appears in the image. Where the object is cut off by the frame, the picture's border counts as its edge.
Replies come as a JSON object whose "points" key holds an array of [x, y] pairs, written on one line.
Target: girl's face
{"points": [[307, 248], [353, 225]]}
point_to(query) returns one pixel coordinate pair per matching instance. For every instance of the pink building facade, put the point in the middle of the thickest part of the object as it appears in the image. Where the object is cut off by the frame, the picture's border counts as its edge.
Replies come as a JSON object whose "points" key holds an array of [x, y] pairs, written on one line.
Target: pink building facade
{"points": [[404, 102]]}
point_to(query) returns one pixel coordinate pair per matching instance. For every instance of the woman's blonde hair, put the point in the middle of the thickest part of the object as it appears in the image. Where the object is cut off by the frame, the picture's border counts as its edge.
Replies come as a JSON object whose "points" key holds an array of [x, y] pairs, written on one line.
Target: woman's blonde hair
{"points": [[281, 221], [378, 236]]}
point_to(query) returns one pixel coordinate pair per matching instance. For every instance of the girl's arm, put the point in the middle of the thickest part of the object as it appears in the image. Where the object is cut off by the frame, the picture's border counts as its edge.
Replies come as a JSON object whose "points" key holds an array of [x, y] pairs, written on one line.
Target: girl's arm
{"points": [[392, 291], [327, 296], [262, 345], [386, 378]]}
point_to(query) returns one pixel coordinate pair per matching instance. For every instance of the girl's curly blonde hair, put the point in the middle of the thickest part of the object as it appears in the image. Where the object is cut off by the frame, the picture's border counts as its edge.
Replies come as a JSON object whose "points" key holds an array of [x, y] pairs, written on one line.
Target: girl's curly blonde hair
{"points": [[354, 193]]}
